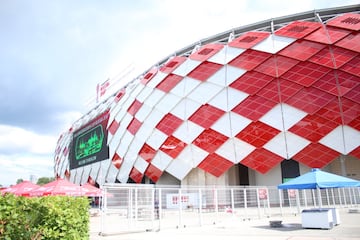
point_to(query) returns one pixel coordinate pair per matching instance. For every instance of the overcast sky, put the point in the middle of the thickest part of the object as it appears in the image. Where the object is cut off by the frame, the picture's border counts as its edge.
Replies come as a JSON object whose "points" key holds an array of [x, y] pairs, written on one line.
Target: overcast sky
{"points": [[54, 53]]}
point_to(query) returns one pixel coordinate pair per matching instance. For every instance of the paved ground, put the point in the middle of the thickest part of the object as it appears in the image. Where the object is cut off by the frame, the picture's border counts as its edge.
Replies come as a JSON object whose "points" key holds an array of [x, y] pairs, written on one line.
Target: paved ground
{"points": [[291, 229]]}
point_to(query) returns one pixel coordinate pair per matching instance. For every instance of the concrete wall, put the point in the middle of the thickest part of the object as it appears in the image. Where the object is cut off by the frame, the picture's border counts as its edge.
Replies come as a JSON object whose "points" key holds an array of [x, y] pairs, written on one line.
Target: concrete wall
{"points": [[271, 178], [198, 177], [351, 167], [168, 179]]}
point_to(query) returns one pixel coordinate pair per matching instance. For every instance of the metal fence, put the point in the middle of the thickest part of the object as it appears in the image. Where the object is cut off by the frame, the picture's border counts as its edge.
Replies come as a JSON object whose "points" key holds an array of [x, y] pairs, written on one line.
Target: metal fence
{"points": [[131, 207]]}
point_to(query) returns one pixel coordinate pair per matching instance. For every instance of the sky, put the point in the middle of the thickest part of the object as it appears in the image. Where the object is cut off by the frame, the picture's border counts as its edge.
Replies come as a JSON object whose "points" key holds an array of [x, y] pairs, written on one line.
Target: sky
{"points": [[54, 53]]}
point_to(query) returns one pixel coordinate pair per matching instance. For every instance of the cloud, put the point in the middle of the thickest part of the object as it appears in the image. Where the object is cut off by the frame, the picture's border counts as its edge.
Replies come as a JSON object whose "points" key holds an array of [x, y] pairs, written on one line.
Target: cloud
{"points": [[16, 166], [24, 153], [15, 140]]}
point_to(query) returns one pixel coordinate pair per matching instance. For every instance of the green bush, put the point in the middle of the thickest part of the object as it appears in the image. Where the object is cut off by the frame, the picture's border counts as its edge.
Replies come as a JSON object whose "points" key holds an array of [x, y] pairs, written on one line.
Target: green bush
{"points": [[52, 217]]}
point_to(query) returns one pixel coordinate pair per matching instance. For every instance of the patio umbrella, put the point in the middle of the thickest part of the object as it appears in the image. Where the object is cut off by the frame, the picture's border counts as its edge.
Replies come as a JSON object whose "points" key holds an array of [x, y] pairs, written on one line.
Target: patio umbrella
{"points": [[22, 189], [317, 179], [91, 191], [59, 187]]}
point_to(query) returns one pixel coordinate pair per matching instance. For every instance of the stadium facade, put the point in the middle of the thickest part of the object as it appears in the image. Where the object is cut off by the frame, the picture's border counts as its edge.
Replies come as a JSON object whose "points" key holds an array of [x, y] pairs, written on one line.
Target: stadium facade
{"points": [[255, 105]]}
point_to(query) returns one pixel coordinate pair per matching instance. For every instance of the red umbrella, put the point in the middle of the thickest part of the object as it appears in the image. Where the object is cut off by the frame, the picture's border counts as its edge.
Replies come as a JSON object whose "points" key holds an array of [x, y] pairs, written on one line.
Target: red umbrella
{"points": [[59, 187], [91, 191], [22, 189]]}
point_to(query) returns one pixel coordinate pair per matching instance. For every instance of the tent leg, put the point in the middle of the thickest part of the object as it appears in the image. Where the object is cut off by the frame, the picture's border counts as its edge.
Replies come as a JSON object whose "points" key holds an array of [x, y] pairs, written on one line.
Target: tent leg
{"points": [[319, 197]]}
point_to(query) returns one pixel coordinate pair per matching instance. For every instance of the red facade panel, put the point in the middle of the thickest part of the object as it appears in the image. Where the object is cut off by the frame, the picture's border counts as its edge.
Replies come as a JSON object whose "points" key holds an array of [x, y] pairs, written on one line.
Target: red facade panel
{"points": [[210, 140], [215, 164], [298, 29], [257, 134], [254, 107], [204, 71], [249, 39], [261, 160], [249, 59], [316, 155], [206, 115]]}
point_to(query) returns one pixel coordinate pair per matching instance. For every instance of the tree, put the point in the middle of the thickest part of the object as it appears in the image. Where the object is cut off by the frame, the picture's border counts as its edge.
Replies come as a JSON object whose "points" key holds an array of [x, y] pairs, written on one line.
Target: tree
{"points": [[20, 180], [44, 180]]}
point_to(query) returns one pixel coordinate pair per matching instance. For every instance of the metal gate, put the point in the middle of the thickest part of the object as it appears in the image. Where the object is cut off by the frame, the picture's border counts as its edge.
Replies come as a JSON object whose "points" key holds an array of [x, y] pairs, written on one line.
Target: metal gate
{"points": [[127, 207]]}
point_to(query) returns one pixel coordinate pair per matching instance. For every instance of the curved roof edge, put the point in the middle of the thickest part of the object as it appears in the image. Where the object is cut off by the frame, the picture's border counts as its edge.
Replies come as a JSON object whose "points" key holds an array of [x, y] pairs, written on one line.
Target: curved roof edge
{"points": [[266, 25]]}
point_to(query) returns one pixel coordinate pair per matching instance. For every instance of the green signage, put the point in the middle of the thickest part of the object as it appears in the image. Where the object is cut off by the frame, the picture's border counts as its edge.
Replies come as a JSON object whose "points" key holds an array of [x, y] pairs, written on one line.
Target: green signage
{"points": [[89, 142]]}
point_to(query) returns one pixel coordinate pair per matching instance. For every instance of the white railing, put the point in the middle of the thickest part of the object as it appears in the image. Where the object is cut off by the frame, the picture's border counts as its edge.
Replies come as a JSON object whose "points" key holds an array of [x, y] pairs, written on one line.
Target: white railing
{"points": [[130, 207]]}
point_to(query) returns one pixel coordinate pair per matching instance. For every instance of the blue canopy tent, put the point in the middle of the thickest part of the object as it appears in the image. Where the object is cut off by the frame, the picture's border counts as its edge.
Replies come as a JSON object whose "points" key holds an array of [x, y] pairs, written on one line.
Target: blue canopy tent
{"points": [[317, 179]]}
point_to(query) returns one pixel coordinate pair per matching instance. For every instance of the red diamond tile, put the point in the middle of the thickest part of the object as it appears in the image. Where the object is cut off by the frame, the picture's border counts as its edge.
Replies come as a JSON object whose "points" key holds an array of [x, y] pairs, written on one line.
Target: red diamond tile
{"points": [[306, 73], [210, 140], [57, 161], [313, 127], [276, 66], [206, 115], [254, 107], [354, 94], [215, 164], [261, 160], [117, 161], [205, 52], [153, 173], [271, 91], [337, 83], [249, 59], [348, 20], [251, 82], [91, 181], [172, 64], [134, 107], [279, 90], [113, 127], [136, 176], [257, 134], [204, 71], [302, 50], [298, 29], [65, 151], [327, 35], [316, 155], [350, 42], [334, 57], [168, 124], [353, 66], [310, 99], [119, 95], [340, 114], [149, 75], [355, 123], [249, 39], [134, 126], [147, 153], [169, 82], [173, 146]]}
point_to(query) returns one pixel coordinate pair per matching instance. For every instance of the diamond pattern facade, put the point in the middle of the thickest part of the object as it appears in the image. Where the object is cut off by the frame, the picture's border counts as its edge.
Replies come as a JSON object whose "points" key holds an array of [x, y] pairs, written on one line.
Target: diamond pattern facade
{"points": [[256, 99]]}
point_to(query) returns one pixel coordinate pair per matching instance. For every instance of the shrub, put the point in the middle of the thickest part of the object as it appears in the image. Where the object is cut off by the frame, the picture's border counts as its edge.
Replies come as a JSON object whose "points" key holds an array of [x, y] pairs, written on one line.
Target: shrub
{"points": [[52, 217]]}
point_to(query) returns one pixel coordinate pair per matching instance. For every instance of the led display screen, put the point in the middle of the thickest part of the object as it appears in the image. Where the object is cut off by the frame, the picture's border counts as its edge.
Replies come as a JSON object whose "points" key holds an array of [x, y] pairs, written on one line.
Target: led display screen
{"points": [[89, 143]]}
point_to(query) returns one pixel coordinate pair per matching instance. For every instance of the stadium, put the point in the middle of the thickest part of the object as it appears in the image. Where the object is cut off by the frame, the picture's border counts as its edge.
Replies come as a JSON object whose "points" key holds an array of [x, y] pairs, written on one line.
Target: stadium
{"points": [[256, 105]]}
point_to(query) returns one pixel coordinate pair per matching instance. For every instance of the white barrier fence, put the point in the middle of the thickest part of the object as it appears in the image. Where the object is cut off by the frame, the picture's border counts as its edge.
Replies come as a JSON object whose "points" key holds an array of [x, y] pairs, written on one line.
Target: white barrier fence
{"points": [[130, 207]]}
